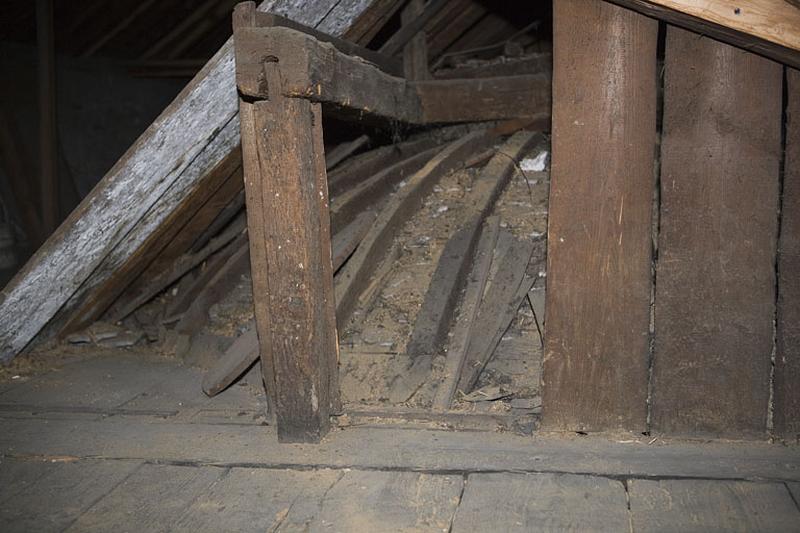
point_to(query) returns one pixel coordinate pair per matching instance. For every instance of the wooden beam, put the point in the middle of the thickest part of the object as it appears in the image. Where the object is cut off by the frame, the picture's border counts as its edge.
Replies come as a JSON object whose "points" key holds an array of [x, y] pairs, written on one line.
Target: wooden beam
{"points": [[599, 235], [319, 72], [381, 60], [436, 314], [48, 128], [370, 192], [363, 166], [499, 307], [146, 186], [787, 358], [197, 14], [468, 313], [411, 27], [715, 291], [469, 100], [285, 180], [415, 52], [138, 277], [356, 273], [341, 152], [766, 27]]}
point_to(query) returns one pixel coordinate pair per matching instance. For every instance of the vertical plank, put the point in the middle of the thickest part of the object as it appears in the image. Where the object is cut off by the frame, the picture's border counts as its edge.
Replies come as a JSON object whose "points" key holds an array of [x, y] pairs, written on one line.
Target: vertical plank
{"points": [[290, 251], [48, 145], [787, 361], [715, 279], [415, 53], [599, 251]]}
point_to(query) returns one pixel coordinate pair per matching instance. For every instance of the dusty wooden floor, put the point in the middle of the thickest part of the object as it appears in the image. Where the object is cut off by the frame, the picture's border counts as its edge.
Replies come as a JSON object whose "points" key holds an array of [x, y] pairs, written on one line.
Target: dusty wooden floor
{"points": [[128, 443]]}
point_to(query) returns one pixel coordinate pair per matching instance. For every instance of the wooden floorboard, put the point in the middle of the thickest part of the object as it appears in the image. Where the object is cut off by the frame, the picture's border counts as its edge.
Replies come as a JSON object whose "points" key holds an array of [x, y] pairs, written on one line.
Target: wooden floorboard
{"points": [[54, 500], [259, 500], [541, 502], [151, 499], [703, 506]]}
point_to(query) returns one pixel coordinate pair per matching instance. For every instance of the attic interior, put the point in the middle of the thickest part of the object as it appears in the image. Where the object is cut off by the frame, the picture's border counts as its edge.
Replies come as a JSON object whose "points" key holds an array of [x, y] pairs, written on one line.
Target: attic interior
{"points": [[462, 262]]}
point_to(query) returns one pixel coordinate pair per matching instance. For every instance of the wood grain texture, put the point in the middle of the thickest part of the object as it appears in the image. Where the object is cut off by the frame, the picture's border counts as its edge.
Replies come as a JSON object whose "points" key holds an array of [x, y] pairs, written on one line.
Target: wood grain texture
{"points": [[541, 502], [297, 272], [356, 273], [599, 248], [702, 505], [715, 289], [467, 313], [787, 359], [468, 100], [767, 27], [151, 498], [193, 134]]}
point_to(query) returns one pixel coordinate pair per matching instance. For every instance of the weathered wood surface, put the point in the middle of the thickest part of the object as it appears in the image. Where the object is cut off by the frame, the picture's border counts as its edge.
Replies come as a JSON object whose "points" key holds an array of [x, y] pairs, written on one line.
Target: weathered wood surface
{"points": [[363, 166], [285, 166], [339, 153], [146, 185], [372, 192], [355, 275], [787, 358], [508, 288], [380, 60], [245, 350], [541, 502], [715, 291], [767, 27], [436, 314], [319, 72], [150, 499], [49, 497], [470, 100], [702, 505], [467, 313], [163, 248], [447, 282], [413, 24], [236, 230], [415, 51], [540, 63], [599, 247]]}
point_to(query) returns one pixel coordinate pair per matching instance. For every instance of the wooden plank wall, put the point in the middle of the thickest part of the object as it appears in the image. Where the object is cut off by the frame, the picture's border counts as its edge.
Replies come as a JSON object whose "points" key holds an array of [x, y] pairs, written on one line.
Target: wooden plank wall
{"points": [[715, 281], [599, 245], [787, 360]]}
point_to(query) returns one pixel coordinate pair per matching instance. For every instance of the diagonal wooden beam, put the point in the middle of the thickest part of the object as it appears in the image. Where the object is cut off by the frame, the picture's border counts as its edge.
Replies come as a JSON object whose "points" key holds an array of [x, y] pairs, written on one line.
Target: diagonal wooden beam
{"points": [[767, 27]]}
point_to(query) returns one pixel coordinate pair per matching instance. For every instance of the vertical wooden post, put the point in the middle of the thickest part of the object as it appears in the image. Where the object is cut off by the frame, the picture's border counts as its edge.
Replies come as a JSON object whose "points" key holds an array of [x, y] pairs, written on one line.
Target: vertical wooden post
{"points": [[415, 53], [290, 250], [48, 143], [787, 360], [715, 280], [599, 236]]}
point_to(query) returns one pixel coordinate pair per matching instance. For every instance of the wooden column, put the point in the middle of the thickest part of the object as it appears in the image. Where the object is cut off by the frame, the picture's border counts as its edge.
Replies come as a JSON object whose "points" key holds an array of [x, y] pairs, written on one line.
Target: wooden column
{"points": [[290, 251], [599, 250], [787, 360], [715, 281], [48, 142], [415, 53]]}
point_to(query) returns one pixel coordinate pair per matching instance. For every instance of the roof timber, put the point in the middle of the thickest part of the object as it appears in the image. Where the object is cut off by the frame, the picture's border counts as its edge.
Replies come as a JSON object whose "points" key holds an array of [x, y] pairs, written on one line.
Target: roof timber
{"points": [[144, 189], [767, 27]]}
